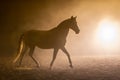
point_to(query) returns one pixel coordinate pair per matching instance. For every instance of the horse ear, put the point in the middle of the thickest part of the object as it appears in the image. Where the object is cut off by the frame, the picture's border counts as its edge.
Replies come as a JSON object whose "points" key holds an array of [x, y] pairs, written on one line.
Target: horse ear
{"points": [[75, 16], [71, 17]]}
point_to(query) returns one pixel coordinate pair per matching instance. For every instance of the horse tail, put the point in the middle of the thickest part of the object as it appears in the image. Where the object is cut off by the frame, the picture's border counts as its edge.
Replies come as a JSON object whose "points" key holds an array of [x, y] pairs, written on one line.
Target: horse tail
{"points": [[20, 47]]}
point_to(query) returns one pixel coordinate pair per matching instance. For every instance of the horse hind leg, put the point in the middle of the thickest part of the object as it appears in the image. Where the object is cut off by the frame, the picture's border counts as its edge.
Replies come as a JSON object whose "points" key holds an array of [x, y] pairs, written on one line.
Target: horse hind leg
{"points": [[22, 55], [31, 55], [68, 55]]}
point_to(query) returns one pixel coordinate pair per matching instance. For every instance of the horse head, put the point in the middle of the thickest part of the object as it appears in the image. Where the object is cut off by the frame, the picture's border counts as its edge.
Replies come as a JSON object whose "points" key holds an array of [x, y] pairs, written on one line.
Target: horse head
{"points": [[73, 25]]}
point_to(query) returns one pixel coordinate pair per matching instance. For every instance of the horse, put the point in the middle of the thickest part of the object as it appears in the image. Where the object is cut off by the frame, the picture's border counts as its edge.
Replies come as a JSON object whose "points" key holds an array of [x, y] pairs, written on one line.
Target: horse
{"points": [[54, 38]]}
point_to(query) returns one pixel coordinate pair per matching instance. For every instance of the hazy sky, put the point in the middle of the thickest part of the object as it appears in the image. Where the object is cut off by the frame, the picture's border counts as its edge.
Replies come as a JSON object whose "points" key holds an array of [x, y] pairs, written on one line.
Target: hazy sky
{"points": [[20, 16]]}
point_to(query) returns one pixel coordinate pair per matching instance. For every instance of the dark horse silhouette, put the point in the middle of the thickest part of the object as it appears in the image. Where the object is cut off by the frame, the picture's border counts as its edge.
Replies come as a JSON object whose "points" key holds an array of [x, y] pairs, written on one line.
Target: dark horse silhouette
{"points": [[54, 38]]}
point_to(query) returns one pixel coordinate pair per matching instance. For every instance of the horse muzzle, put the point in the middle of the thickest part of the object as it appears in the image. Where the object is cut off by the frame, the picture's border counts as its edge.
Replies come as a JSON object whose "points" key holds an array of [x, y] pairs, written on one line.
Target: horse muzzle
{"points": [[77, 32]]}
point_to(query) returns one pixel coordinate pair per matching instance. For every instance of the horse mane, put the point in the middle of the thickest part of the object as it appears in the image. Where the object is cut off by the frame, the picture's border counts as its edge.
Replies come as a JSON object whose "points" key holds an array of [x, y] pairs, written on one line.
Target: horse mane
{"points": [[60, 25], [63, 23]]}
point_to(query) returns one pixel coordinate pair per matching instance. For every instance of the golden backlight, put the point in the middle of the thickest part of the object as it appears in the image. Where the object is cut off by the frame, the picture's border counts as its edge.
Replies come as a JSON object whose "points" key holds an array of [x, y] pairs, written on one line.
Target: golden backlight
{"points": [[107, 31]]}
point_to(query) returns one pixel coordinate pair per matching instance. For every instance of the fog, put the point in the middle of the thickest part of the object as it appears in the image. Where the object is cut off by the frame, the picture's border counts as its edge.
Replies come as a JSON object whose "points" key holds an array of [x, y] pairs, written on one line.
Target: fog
{"points": [[20, 16], [92, 57]]}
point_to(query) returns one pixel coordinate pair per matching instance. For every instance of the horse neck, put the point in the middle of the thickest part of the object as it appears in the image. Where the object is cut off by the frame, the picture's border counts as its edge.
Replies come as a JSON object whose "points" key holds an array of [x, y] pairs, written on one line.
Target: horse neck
{"points": [[63, 30]]}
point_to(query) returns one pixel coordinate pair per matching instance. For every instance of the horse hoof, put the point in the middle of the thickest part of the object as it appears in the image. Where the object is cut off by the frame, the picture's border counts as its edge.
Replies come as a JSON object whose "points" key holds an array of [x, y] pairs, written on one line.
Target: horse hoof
{"points": [[50, 68], [38, 66], [71, 66]]}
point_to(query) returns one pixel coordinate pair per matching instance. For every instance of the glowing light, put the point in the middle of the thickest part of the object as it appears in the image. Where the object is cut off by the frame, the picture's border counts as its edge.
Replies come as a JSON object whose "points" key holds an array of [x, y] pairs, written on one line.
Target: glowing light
{"points": [[107, 33], [107, 36]]}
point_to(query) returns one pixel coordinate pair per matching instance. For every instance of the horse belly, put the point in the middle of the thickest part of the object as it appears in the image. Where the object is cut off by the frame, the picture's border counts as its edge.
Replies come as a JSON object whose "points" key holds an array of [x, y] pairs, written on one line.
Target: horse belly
{"points": [[50, 44], [45, 45]]}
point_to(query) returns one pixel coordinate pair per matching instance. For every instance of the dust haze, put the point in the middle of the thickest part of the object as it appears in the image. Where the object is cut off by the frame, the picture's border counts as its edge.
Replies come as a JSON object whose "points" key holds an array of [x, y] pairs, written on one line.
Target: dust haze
{"points": [[20, 16], [91, 61]]}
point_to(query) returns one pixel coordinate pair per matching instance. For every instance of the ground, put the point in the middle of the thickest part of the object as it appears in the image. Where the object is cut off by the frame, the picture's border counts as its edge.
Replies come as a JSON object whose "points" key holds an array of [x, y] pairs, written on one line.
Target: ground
{"points": [[85, 68]]}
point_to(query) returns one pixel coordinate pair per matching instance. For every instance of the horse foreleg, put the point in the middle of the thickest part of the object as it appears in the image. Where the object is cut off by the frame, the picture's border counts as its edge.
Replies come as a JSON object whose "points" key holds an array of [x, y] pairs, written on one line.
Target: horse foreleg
{"points": [[31, 55], [54, 57], [68, 55]]}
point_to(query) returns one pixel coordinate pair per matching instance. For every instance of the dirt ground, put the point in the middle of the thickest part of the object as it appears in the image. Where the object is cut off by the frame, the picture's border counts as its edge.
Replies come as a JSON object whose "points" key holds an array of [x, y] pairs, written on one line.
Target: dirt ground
{"points": [[85, 68]]}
